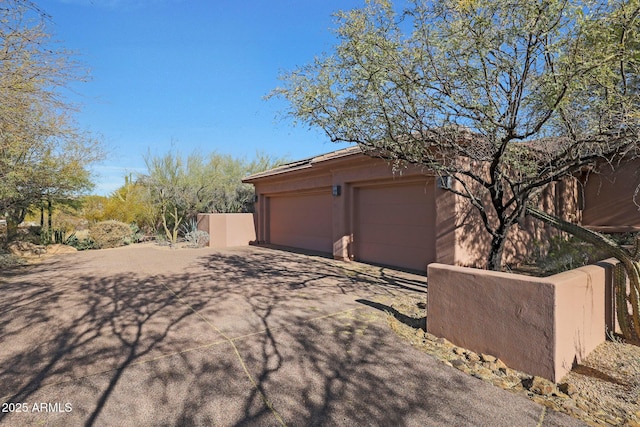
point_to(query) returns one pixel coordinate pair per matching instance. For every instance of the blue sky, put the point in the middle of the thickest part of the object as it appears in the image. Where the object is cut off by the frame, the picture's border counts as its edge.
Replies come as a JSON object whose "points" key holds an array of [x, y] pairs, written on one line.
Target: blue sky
{"points": [[191, 74]]}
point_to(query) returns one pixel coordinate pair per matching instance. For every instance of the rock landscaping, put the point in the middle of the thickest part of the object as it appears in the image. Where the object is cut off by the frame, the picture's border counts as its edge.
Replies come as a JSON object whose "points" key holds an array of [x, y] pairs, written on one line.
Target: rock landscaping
{"points": [[30, 251], [603, 390]]}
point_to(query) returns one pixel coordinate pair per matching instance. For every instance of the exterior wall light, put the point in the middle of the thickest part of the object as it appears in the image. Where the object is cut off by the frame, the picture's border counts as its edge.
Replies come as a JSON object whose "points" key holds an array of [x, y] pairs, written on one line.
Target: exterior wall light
{"points": [[336, 190], [444, 182]]}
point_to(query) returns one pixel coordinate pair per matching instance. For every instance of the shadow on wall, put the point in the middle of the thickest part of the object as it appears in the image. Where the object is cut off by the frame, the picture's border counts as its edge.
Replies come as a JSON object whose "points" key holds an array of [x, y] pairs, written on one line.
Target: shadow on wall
{"points": [[102, 340], [526, 240]]}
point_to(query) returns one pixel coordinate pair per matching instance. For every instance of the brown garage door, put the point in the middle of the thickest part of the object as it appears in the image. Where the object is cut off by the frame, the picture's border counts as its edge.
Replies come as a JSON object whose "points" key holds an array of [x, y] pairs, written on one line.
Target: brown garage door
{"points": [[395, 225], [301, 221]]}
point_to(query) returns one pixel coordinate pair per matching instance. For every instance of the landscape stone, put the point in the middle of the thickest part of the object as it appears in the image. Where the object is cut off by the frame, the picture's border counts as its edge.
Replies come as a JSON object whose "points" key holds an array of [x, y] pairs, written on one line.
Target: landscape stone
{"points": [[487, 358], [566, 388], [500, 365], [473, 357], [459, 351], [582, 404], [430, 337], [542, 386], [443, 341], [483, 373]]}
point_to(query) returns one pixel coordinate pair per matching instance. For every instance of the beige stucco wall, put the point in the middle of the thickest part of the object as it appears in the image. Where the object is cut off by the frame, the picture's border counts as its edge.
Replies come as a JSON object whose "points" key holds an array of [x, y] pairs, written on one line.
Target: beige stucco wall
{"points": [[537, 325], [473, 242], [228, 229]]}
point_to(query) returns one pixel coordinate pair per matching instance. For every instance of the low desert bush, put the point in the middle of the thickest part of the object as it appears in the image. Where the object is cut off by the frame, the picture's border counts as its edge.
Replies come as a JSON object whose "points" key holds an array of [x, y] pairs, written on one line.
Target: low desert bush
{"points": [[136, 234], [567, 253], [110, 234], [196, 238], [9, 260], [81, 244]]}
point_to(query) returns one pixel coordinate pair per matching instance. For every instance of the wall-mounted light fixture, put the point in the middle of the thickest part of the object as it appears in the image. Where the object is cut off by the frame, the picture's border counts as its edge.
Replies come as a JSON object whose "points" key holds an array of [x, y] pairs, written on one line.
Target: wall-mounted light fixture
{"points": [[336, 190], [444, 182], [255, 198]]}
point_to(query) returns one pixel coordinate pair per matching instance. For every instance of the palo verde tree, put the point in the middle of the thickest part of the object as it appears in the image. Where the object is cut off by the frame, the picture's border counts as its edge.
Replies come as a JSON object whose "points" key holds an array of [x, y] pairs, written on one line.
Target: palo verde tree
{"points": [[43, 156], [130, 204], [503, 96], [180, 187]]}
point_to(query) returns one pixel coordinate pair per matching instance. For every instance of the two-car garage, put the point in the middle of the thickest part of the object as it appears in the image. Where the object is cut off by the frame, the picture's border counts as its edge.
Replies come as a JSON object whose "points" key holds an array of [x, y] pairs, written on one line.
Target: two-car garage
{"points": [[351, 206]]}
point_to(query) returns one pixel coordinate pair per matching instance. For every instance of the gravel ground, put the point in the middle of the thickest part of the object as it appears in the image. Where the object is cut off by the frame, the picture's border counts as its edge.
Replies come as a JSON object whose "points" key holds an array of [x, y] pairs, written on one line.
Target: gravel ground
{"points": [[604, 390]]}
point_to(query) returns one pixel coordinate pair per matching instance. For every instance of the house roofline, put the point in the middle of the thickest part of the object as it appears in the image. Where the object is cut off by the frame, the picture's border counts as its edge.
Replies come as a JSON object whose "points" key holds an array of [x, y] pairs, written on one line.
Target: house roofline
{"points": [[300, 165]]}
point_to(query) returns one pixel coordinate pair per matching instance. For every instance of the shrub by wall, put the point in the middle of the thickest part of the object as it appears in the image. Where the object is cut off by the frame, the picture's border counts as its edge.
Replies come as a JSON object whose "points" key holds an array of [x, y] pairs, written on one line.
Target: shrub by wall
{"points": [[110, 234]]}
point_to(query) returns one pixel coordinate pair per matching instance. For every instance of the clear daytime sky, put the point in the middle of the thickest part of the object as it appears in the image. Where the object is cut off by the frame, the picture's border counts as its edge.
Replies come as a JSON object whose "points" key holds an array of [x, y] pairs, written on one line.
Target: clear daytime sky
{"points": [[191, 74]]}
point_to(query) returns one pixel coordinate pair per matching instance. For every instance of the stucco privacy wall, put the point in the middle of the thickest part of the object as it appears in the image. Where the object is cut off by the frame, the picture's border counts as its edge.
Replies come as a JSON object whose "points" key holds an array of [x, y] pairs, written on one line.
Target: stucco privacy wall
{"points": [[228, 229], [538, 325]]}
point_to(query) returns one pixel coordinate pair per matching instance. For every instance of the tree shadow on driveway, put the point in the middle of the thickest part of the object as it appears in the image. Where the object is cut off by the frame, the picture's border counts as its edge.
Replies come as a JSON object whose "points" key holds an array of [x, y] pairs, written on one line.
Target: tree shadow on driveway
{"points": [[238, 337]]}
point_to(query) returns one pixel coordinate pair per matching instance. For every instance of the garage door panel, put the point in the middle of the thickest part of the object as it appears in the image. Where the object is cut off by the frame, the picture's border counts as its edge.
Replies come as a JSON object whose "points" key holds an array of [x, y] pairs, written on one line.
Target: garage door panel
{"points": [[301, 221], [398, 235], [392, 194], [403, 214], [395, 224]]}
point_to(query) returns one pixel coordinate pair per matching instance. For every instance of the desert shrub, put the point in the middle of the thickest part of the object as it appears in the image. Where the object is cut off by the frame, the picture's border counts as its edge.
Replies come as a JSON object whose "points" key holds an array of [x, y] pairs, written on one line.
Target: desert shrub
{"points": [[567, 253], [81, 244], [110, 234], [196, 238], [28, 232], [135, 235], [9, 260]]}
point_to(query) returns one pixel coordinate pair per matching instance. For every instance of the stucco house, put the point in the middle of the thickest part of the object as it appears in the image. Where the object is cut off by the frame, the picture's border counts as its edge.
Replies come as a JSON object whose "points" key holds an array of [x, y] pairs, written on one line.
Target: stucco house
{"points": [[356, 207]]}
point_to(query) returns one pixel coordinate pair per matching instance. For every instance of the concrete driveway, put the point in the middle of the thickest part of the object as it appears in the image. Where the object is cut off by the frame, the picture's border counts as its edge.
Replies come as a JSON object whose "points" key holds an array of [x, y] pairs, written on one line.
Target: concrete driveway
{"points": [[145, 335]]}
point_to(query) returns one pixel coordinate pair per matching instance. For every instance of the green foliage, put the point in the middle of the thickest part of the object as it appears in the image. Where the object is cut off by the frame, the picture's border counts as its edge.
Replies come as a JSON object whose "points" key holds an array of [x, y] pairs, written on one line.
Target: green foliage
{"points": [[8, 260], [196, 238], [110, 234], [136, 234], [53, 235], [566, 253], [463, 87], [81, 244], [180, 187], [626, 280], [45, 236], [131, 204], [43, 156], [93, 208]]}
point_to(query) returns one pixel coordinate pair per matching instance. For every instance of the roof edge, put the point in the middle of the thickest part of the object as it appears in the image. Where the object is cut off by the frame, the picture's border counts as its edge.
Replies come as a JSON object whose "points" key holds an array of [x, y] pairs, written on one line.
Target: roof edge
{"points": [[304, 164]]}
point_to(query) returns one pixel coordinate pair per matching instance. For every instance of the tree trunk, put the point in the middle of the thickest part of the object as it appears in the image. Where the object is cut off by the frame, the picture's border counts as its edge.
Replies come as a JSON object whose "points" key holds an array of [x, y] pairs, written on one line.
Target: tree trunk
{"points": [[167, 232], [49, 213], [176, 224], [498, 241]]}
